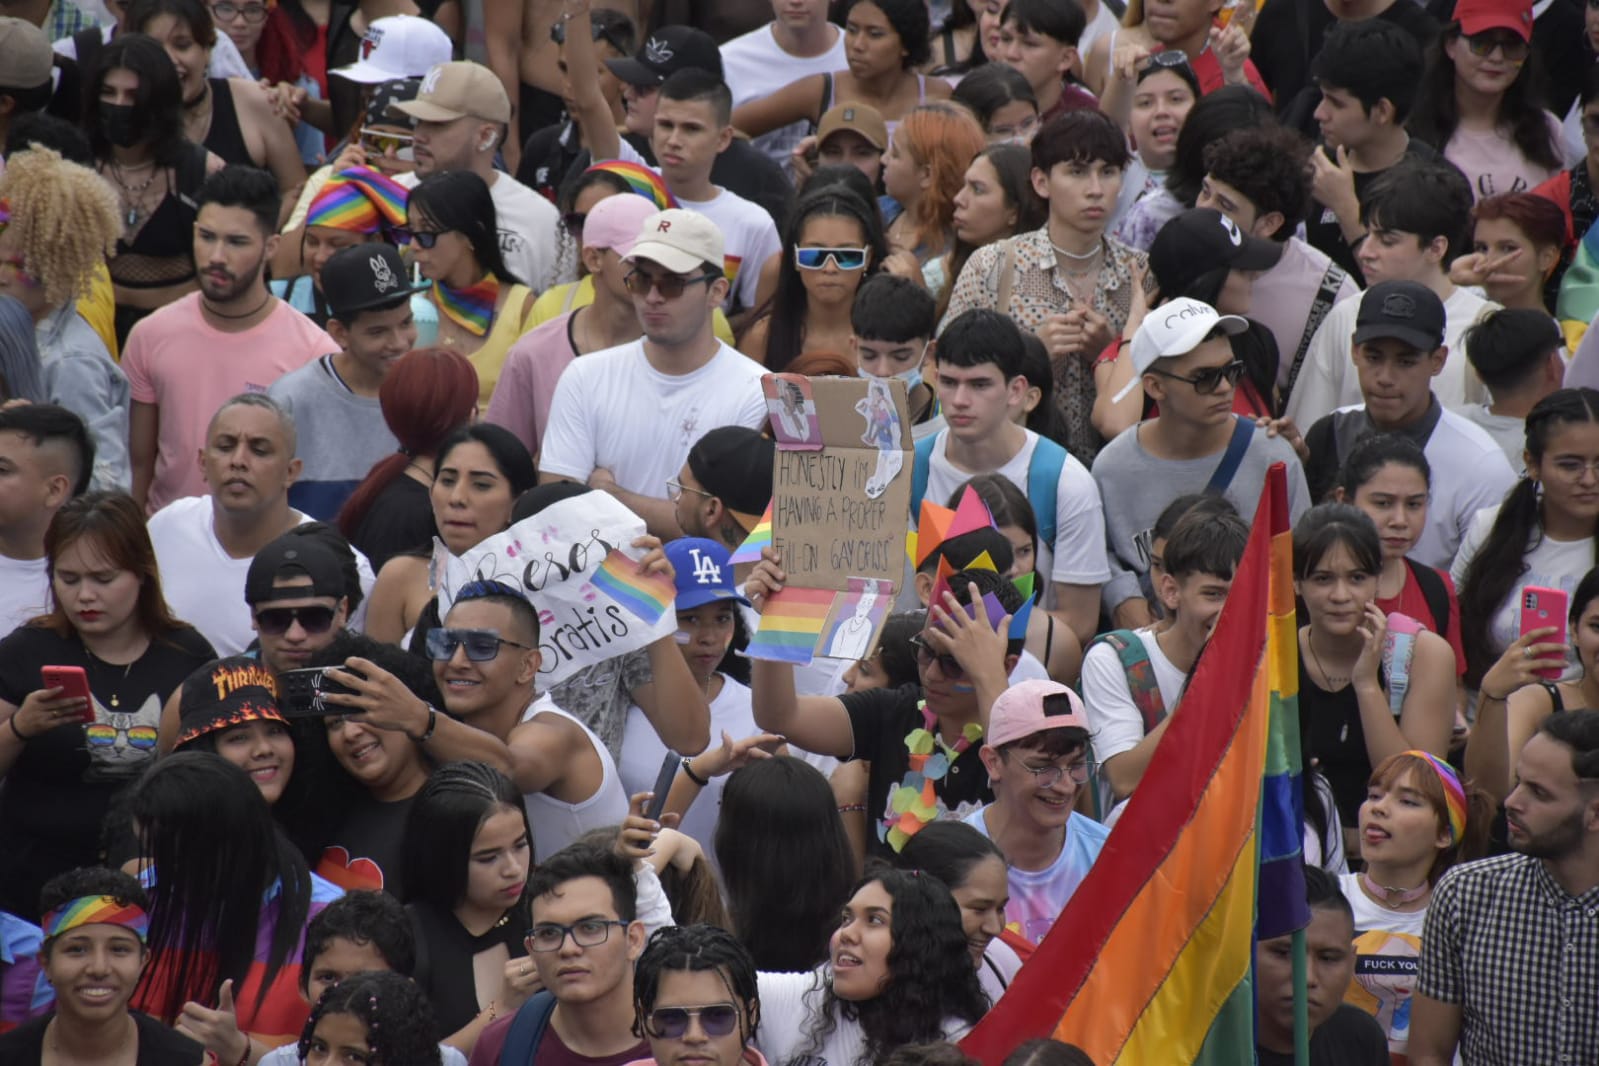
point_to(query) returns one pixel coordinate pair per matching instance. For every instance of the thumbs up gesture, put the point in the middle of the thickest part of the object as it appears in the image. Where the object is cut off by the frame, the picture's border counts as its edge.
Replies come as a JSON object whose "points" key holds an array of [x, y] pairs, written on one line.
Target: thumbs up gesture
{"points": [[217, 1029]]}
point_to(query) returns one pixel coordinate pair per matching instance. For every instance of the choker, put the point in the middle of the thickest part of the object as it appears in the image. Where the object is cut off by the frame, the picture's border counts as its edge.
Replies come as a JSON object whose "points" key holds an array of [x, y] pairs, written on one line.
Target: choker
{"points": [[1083, 258], [1393, 897], [471, 308], [223, 314]]}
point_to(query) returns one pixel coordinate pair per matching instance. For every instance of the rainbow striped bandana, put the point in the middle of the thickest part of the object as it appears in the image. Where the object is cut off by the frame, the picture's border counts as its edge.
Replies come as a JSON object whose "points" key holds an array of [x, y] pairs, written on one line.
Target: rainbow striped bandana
{"points": [[1454, 792], [359, 200], [96, 910]]}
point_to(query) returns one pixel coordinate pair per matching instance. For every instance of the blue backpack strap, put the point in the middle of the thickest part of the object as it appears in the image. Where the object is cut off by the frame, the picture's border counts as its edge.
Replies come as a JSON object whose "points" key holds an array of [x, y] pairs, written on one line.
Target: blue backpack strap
{"points": [[921, 465], [527, 1030], [1237, 445], [1043, 486]]}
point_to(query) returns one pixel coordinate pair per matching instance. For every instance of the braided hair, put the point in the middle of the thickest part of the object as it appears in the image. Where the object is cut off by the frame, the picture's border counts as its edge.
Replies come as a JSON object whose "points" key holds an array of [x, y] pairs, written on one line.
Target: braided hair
{"points": [[697, 949], [398, 1018]]}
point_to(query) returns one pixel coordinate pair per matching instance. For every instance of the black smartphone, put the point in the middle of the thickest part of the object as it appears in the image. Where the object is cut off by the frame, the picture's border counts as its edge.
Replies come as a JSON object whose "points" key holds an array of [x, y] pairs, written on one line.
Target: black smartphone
{"points": [[301, 693], [663, 784]]}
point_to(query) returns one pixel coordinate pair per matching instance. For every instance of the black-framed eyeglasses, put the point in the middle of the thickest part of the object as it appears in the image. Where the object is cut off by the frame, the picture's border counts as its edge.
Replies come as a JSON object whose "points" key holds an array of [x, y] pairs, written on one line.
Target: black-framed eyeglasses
{"points": [[947, 664], [481, 644], [1208, 380], [227, 12], [585, 933], [670, 286], [1049, 776], [275, 621], [671, 1023], [1515, 49]]}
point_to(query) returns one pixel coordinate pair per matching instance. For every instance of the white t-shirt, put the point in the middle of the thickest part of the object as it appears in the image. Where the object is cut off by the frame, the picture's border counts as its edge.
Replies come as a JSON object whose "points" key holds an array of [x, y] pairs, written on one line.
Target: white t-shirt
{"points": [[642, 752], [1551, 564], [529, 226], [1507, 431], [1328, 380], [755, 66], [24, 591], [204, 585], [1387, 950], [226, 62], [1078, 555], [557, 823], [1114, 720], [749, 236], [612, 409], [998, 969], [790, 1006]]}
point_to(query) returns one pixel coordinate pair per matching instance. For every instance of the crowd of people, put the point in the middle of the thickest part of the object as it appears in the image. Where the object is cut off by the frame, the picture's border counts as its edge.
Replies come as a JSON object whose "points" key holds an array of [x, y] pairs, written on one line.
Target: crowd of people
{"points": [[304, 303]]}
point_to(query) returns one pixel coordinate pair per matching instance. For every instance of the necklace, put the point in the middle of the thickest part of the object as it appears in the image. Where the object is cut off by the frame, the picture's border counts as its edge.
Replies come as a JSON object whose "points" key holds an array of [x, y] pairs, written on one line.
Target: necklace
{"points": [[1081, 258], [1393, 897], [134, 193], [1332, 682], [915, 802], [248, 314], [97, 662], [420, 469]]}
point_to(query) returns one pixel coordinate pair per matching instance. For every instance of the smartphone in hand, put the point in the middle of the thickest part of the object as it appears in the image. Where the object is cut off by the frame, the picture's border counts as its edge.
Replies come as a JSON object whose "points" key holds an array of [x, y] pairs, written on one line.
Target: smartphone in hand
{"points": [[72, 681]]}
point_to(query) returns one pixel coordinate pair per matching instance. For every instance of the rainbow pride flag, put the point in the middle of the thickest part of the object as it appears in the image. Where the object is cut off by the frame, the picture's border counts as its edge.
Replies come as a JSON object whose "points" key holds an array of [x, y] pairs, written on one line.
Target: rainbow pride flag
{"points": [[760, 537], [1151, 960], [646, 595], [791, 624]]}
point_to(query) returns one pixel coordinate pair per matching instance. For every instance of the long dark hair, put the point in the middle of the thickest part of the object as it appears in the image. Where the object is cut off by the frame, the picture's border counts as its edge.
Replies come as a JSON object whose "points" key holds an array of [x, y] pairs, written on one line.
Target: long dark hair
{"points": [[427, 394], [508, 451], [1013, 163], [785, 861], [930, 972], [1518, 528], [195, 14], [949, 850], [1437, 112], [785, 337], [159, 97], [459, 200], [444, 817], [117, 525], [215, 849]]}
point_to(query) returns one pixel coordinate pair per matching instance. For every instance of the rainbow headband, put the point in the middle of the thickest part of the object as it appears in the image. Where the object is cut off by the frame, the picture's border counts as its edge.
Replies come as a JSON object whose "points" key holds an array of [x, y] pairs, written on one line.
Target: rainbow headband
{"points": [[641, 180], [1454, 793], [96, 910], [359, 200]]}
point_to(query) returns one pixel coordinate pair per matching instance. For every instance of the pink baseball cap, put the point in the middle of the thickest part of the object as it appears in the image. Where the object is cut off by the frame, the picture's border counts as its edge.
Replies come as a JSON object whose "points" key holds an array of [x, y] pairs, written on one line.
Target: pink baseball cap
{"points": [[616, 222], [1020, 711]]}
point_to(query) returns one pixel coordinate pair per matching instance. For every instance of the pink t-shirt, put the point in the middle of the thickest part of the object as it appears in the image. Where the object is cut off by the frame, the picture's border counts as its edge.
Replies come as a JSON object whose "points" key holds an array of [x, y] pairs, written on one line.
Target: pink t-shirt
{"points": [[188, 368], [1494, 165], [521, 400]]}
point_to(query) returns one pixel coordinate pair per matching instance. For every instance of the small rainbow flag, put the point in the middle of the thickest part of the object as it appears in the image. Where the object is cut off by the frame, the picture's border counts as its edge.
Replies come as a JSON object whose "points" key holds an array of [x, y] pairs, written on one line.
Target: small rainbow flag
{"points": [[646, 595], [791, 624], [760, 537]]}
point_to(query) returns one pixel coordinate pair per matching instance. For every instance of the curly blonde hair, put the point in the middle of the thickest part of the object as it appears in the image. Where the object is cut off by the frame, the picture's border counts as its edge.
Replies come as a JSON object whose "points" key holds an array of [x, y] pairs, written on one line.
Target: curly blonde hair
{"points": [[68, 220]]}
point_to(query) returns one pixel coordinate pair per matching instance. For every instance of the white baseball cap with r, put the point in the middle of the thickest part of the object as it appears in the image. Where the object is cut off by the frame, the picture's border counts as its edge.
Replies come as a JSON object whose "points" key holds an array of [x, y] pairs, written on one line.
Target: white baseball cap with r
{"points": [[681, 240], [1172, 329]]}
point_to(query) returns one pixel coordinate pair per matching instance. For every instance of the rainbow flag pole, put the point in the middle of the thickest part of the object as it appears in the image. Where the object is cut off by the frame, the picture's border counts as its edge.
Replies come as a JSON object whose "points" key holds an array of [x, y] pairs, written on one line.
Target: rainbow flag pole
{"points": [[1152, 960]]}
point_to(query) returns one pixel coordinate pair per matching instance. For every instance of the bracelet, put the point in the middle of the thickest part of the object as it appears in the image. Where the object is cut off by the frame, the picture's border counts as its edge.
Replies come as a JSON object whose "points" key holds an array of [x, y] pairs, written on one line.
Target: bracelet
{"points": [[18, 732], [433, 723], [851, 808], [244, 1060], [692, 776], [1491, 698]]}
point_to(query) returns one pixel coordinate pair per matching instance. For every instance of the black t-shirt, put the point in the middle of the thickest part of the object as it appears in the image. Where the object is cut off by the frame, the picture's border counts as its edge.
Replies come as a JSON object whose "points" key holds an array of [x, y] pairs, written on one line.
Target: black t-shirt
{"points": [[58, 791], [365, 853], [400, 520], [1351, 1037], [1289, 35], [881, 719], [1321, 225], [547, 158], [158, 1045]]}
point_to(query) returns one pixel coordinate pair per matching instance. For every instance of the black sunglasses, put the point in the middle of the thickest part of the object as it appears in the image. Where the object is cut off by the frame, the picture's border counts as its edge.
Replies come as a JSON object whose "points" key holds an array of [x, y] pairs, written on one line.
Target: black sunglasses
{"points": [[947, 664], [422, 238], [1208, 380], [275, 621], [671, 286], [481, 644]]}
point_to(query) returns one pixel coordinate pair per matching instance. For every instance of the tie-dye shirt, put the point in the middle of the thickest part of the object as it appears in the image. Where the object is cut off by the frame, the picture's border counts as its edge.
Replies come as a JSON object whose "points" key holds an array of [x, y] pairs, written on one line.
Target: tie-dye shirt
{"points": [[1038, 896], [24, 993]]}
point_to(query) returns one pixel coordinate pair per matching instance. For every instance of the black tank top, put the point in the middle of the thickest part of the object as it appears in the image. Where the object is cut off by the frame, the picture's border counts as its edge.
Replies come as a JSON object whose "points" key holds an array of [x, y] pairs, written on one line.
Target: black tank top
{"points": [[225, 138]]}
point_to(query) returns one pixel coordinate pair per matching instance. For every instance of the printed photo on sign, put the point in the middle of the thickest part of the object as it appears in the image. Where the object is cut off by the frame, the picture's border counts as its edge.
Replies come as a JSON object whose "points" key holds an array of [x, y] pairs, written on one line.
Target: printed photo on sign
{"points": [[792, 407], [856, 619]]}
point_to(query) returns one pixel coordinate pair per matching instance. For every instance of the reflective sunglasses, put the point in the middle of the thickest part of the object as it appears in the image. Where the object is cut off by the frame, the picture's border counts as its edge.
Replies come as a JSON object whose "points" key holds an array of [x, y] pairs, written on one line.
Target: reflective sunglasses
{"points": [[671, 1023], [815, 258], [1208, 380], [227, 12], [275, 621], [587, 933], [481, 644], [670, 286], [383, 142], [1483, 44], [947, 664]]}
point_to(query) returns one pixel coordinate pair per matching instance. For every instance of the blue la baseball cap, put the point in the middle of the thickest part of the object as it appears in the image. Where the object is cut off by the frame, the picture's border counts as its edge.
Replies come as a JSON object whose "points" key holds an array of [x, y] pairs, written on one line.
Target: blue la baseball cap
{"points": [[703, 573]]}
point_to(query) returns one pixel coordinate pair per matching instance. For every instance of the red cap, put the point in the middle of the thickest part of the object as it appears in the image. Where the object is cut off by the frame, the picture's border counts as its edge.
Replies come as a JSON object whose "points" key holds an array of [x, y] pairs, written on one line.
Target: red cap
{"points": [[1479, 16]]}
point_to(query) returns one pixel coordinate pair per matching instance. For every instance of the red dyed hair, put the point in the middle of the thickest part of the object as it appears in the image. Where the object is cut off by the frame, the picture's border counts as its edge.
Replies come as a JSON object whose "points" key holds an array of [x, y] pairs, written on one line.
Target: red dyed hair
{"points": [[1540, 219], [944, 138]]}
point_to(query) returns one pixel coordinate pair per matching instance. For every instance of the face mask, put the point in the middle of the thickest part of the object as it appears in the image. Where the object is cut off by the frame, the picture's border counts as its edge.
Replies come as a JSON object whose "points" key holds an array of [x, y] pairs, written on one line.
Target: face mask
{"points": [[911, 377], [121, 124]]}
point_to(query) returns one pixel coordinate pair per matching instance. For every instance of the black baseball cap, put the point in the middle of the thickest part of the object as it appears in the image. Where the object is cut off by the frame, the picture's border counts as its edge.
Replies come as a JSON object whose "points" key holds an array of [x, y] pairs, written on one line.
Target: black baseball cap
{"points": [[1403, 311], [734, 464], [669, 50], [225, 693], [294, 556], [1202, 240], [364, 276], [385, 95]]}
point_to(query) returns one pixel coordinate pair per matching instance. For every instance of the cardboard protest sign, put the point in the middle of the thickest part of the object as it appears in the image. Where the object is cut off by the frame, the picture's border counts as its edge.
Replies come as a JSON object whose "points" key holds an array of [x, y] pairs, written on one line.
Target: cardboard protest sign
{"points": [[576, 564], [838, 518]]}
